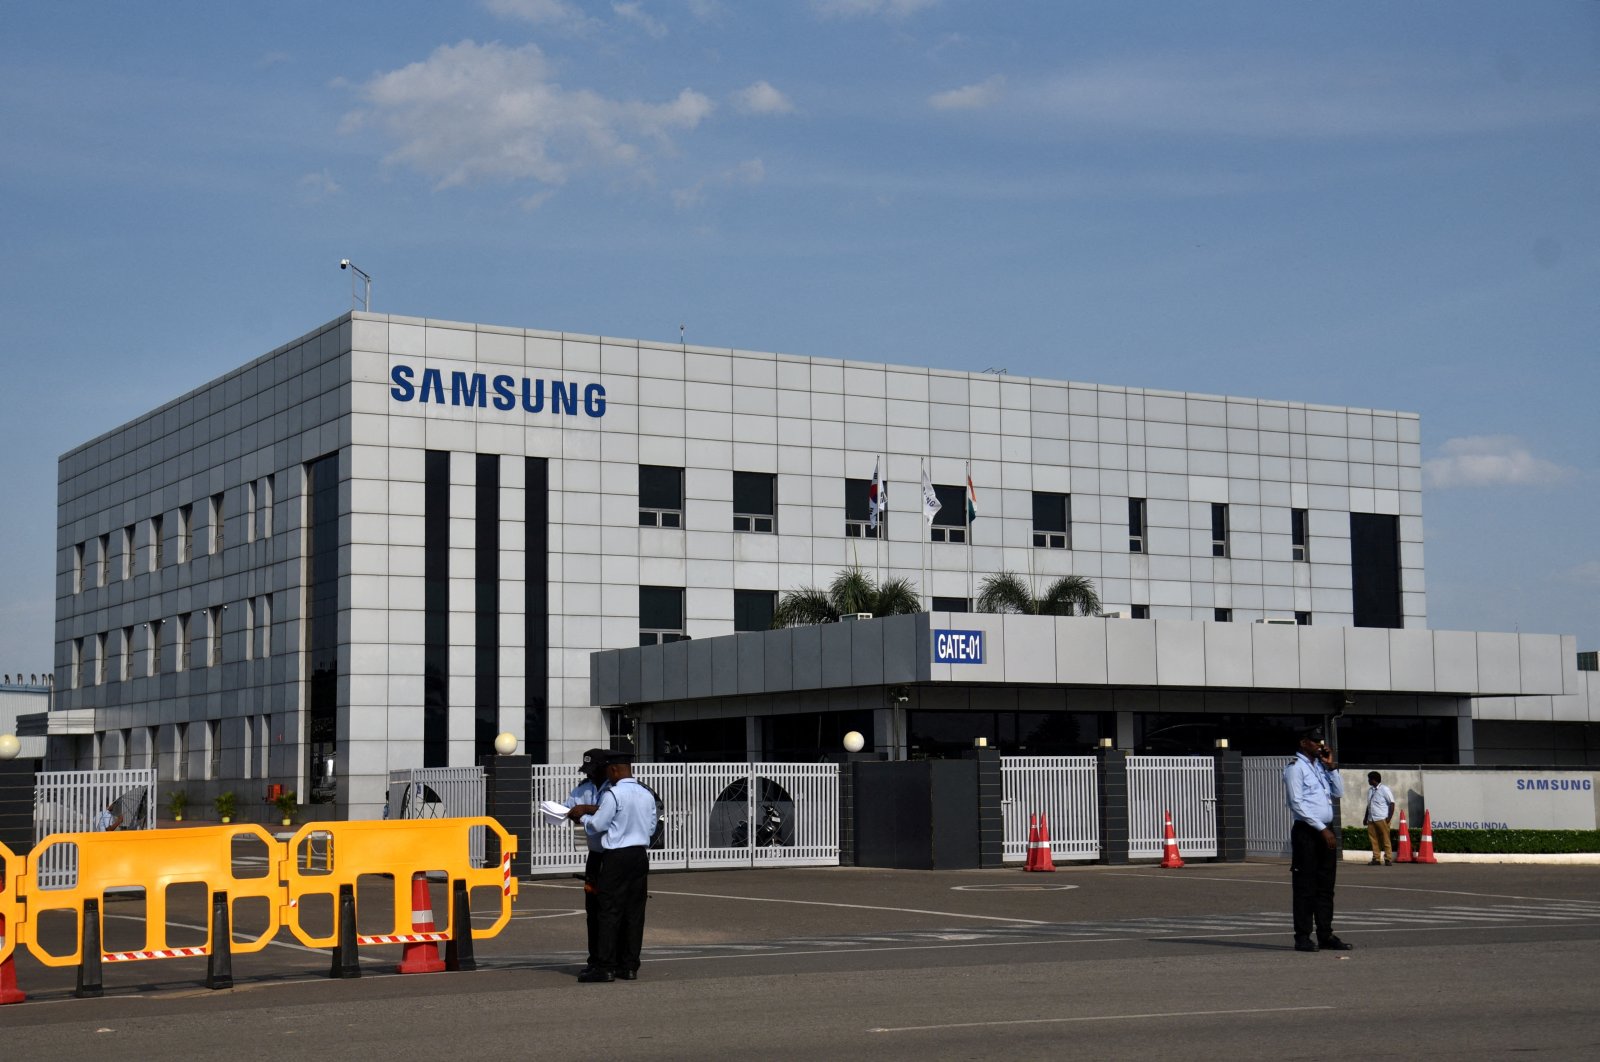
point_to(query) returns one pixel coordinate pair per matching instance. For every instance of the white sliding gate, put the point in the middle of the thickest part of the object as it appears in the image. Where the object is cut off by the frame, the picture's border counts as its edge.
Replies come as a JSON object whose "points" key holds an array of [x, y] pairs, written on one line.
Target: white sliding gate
{"points": [[71, 802], [1183, 785], [1266, 816], [1063, 789], [440, 793], [710, 809]]}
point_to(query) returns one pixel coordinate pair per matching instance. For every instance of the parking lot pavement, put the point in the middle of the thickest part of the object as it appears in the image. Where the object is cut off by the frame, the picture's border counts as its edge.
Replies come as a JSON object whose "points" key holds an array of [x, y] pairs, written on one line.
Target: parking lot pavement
{"points": [[824, 962]]}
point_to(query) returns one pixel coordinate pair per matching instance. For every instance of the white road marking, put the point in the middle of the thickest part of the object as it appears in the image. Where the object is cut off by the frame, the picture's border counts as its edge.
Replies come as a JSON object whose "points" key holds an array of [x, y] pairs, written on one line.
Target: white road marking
{"points": [[1096, 1017], [206, 929], [821, 903], [1284, 881], [1011, 888]]}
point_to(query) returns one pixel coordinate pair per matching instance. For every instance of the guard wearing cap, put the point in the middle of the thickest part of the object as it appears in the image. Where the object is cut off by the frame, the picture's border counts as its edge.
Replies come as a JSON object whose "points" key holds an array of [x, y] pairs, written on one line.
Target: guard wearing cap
{"points": [[623, 821], [586, 794], [1311, 784]]}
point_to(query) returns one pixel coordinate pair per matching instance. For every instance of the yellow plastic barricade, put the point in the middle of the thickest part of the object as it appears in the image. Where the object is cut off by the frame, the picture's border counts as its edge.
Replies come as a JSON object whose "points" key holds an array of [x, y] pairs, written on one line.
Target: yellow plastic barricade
{"points": [[10, 900], [396, 849], [152, 860]]}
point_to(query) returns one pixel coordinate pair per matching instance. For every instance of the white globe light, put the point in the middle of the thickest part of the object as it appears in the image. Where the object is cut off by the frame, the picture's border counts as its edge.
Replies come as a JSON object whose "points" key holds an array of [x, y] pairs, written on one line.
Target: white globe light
{"points": [[506, 744], [854, 742], [9, 746]]}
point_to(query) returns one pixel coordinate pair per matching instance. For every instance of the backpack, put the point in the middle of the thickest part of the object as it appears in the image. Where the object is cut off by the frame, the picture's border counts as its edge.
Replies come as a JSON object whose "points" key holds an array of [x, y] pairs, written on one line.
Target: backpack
{"points": [[658, 836]]}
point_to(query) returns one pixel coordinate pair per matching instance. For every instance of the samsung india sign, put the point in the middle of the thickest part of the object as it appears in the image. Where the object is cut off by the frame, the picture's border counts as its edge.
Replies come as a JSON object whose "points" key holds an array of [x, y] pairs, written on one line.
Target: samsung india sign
{"points": [[957, 647], [433, 386]]}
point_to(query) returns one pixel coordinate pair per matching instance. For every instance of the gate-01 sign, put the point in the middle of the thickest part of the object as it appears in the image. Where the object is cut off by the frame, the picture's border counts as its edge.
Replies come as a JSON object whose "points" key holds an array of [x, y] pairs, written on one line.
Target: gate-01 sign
{"points": [[957, 647]]}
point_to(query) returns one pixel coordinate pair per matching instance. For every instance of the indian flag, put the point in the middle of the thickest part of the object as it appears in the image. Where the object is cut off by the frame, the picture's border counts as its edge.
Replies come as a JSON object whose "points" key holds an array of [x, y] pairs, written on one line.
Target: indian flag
{"points": [[972, 498]]}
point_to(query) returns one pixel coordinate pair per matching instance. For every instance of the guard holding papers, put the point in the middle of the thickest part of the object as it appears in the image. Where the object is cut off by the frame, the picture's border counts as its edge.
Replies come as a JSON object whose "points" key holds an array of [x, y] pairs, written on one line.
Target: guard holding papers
{"points": [[623, 820]]}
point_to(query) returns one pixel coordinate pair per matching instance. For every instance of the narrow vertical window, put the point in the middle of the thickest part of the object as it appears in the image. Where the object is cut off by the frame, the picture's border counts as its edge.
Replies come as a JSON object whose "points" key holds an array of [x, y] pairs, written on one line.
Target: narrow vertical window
{"points": [[152, 747], [1297, 535], [100, 641], [858, 511], [250, 517], [158, 550], [266, 624], [436, 609], [249, 628], [214, 748], [185, 533], [130, 547], [1052, 528], [103, 574], [77, 568], [184, 641], [127, 671], [1219, 530], [1136, 525], [127, 761], [950, 522], [214, 646], [660, 496], [267, 485], [77, 662], [218, 516], [153, 666], [486, 579], [755, 501], [180, 753], [247, 746]]}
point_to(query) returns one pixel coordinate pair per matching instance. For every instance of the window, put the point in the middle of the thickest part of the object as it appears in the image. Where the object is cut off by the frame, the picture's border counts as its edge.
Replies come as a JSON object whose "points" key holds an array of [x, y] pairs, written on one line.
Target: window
{"points": [[1141, 611], [752, 609], [951, 604], [153, 666], [858, 511], [755, 497], [214, 748], [266, 506], [950, 522], [1052, 522], [249, 628], [249, 521], [1297, 534], [1303, 618], [185, 641], [214, 641], [660, 614], [185, 533], [127, 654], [248, 735], [77, 568], [180, 754], [1135, 525], [217, 525], [77, 662], [129, 547], [127, 757], [104, 573], [1219, 530], [263, 739], [660, 496], [152, 747], [1222, 615], [266, 625], [158, 550], [100, 641]]}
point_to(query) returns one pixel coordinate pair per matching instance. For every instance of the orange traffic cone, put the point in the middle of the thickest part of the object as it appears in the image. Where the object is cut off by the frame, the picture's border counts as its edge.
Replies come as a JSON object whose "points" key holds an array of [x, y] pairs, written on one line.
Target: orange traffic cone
{"points": [[420, 956], [1034, 849], [1046, 860], [1403, 854], [9, 993], [1169, 857], [1425, 850]]}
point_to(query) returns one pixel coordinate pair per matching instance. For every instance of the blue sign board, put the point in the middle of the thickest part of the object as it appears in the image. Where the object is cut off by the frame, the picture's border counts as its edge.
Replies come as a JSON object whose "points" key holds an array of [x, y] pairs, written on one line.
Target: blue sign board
{"points": [[957, 647]]}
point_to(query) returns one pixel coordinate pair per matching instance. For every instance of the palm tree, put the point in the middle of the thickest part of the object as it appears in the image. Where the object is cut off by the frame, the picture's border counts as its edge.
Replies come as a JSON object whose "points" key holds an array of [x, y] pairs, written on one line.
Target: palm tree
{"points": [[1067, 596], [852, 591]]}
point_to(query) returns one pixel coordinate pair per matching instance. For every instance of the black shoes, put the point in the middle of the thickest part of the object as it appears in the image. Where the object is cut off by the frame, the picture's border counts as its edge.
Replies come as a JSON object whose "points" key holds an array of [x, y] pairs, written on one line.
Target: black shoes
{"points": [[627, 975], [1334, 944], [1300, 944], [595, 977]]}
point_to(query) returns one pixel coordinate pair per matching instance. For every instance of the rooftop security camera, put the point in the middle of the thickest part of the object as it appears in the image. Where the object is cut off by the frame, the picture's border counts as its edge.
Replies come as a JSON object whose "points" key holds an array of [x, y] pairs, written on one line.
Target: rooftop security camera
{"points": [[344, 263]]}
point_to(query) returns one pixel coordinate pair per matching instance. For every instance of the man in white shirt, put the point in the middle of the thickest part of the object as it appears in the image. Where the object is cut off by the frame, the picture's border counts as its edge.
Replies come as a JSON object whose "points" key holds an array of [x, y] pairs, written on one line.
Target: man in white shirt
{"points": [[1380, 814]]}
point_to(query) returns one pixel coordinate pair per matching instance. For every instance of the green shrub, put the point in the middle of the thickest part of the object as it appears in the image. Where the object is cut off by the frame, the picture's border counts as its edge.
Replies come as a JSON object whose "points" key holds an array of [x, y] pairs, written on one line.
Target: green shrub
{"points": [[1489, 842]]}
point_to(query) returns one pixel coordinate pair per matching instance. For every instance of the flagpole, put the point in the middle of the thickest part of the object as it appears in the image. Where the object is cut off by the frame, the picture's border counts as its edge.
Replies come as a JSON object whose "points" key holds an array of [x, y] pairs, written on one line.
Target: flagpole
{"points": [[922, 467], [967, 512]]}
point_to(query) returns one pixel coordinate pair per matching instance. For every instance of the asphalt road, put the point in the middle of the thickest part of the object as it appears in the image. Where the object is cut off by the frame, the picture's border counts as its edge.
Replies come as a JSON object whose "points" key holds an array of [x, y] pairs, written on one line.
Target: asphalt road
{"points": [[1451, 961]]}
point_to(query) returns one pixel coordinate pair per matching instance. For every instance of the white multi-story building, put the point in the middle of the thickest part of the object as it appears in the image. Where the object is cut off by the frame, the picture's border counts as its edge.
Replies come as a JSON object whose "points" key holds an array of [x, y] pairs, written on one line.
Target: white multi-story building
{"points": [[392, 539]]}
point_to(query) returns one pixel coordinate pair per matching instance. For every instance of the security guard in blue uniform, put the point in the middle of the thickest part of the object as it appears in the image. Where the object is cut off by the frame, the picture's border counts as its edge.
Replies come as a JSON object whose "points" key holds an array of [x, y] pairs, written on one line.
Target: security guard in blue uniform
{"points": [[1311, 783], [624, 821], [587, 794]]}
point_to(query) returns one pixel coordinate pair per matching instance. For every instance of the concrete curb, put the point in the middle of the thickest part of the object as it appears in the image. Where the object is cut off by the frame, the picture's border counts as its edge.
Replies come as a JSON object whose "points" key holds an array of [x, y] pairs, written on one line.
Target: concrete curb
{"points": [[1560, 858]]}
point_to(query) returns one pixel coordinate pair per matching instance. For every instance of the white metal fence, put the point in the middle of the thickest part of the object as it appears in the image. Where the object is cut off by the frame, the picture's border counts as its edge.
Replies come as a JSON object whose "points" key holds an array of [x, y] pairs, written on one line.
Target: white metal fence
{"points": [[717, 815], [1266, 816], [441, 793], [1064, 790], [72, 802], [1183, 785]]}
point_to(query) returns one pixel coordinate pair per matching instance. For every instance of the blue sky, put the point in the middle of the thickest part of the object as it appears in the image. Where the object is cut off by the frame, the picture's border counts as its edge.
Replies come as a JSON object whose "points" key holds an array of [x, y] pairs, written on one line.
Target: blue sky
{"points": [[1371, 204]]}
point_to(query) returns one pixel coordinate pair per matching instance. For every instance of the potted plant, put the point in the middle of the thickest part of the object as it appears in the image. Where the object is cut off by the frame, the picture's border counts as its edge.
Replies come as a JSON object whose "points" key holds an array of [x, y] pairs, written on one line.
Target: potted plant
{"points": [[286, 805], [225, 805], [177, 801]]}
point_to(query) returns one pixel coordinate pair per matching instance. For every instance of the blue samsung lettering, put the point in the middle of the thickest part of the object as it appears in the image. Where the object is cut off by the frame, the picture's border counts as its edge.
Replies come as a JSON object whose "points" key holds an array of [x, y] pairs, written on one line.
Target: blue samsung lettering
{"points": [[402, 389]]}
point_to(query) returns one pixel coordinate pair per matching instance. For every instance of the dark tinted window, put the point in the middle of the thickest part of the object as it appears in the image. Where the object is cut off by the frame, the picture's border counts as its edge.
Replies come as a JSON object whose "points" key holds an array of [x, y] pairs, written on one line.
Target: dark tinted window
{"points": [[858, 499], [754, 493], [952, 506], [661, 608], [660, 487], [951, 604], [752, 609], [1049, 511]]}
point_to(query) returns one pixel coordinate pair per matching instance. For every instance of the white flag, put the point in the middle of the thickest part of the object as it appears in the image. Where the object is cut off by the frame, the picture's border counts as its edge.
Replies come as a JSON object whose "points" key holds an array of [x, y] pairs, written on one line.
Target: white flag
{"points": [[876, 497], [930, 498]]}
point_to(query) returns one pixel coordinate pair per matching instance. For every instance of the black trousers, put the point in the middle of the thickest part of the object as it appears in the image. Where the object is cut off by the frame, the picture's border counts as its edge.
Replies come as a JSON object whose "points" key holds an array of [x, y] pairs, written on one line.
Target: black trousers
{"points": [[624, 887], [1312, 868], [591, 905]]}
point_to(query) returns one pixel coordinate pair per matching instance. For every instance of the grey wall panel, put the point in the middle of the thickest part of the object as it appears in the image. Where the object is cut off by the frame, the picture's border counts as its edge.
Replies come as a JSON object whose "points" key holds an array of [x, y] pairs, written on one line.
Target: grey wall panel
{"points": [[628, 687], [1081, 650], [1411, 660], [1541, 663], [604, 682], [778, 667], [1366, 658], [836, 666], [1321, 658], [652, 681], [1499, 663], [1228, 654], [701, 668], [900, 648], [675, 670], [1130, 652], [724, 665], [1030, 649], [752, 663], [807, 658], [1455, 661], [1180, 653], [866, 652]]}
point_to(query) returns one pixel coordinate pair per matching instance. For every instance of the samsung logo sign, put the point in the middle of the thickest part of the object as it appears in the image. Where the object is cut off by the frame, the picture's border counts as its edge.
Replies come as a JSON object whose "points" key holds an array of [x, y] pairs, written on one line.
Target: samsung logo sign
{"points": [[957, 647], [1556, 784], [501, 392]]}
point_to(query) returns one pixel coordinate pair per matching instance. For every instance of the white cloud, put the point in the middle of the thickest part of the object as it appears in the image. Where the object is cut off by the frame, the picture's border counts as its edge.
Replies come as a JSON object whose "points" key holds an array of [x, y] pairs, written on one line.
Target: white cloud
{"points": [[748, 173], [539, 12], [1489, 461], [1586, 574], [762, 98], [479, 112], [634, 12], [870, 8], [315, 187], [985, 93], [706, 10]]}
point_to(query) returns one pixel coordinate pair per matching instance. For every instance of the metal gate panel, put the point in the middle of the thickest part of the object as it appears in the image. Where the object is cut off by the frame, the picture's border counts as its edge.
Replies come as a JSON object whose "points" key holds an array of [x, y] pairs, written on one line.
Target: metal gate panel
{"points": [[806, 830], [441, 793], [720, 805], [672, 786], [1266, 815], [71, 802], [555, 849], [1183, 785], [1062, 788]]}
